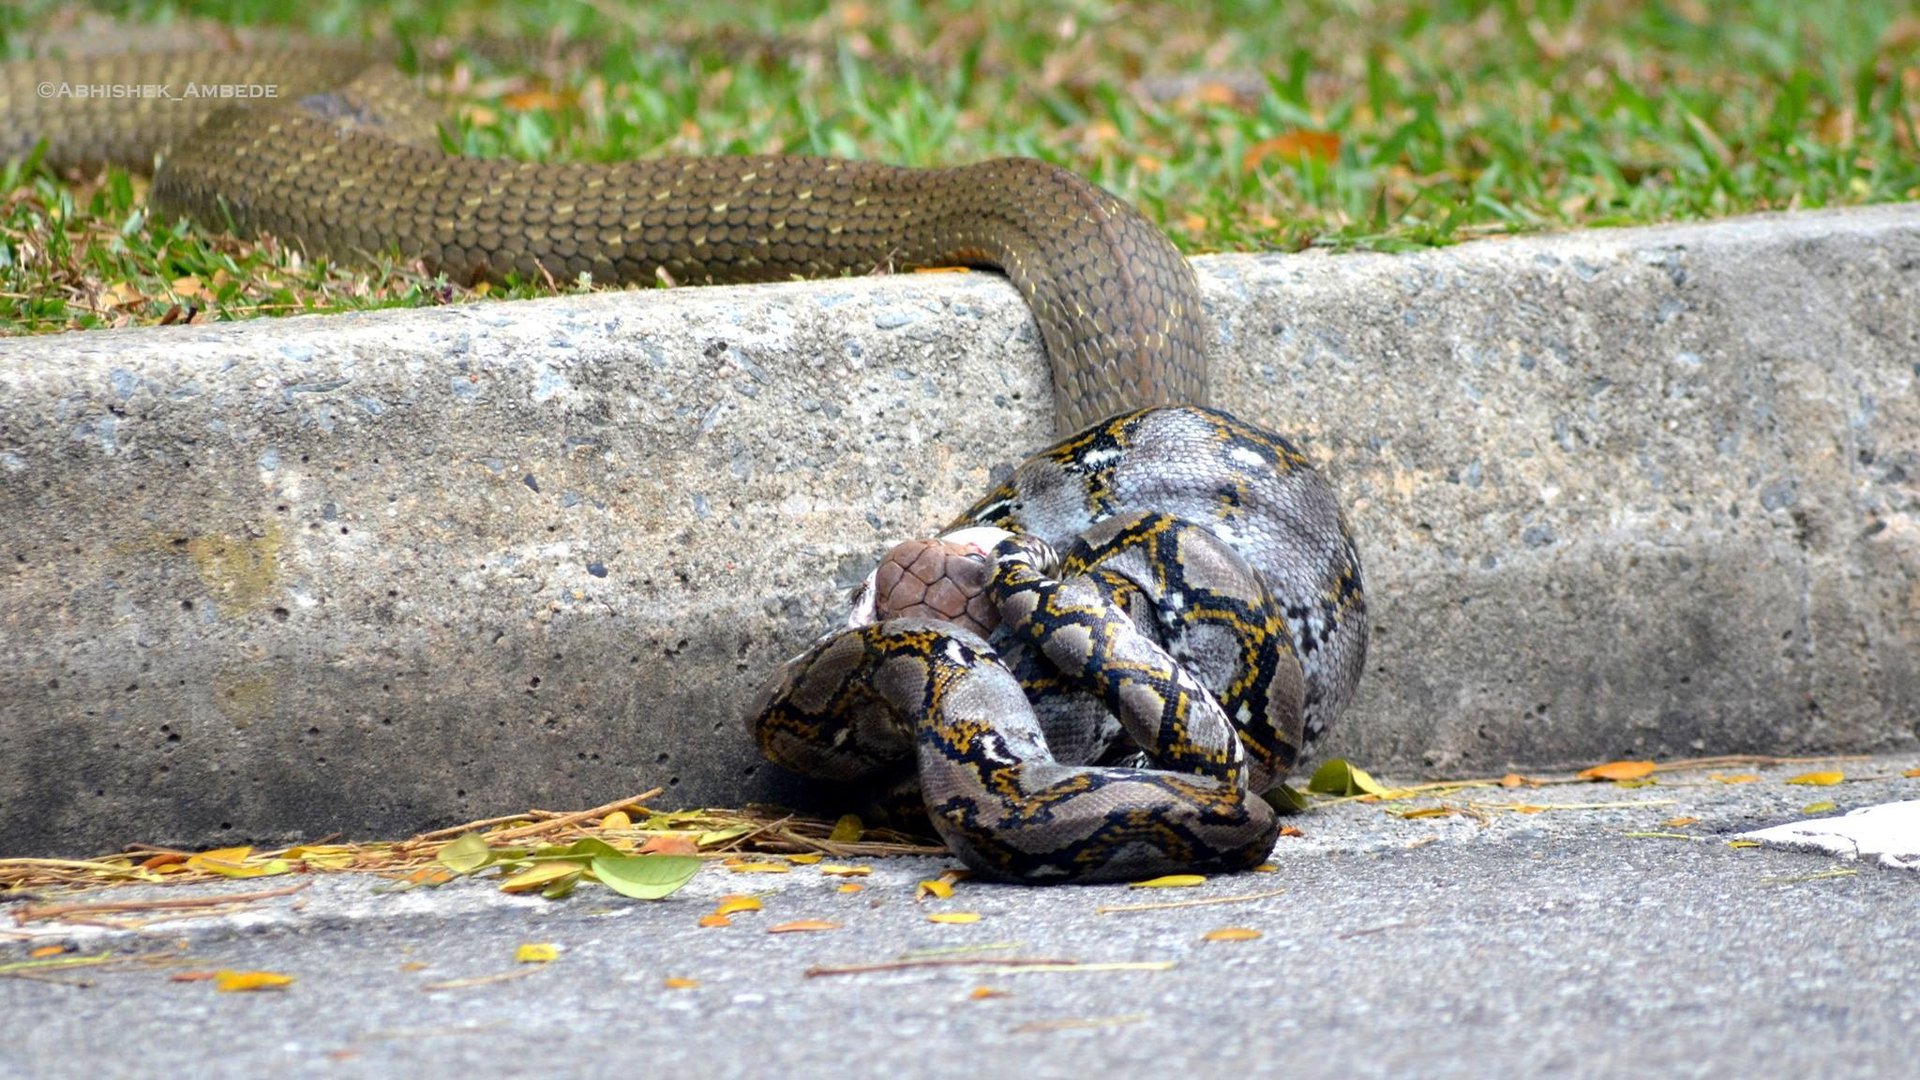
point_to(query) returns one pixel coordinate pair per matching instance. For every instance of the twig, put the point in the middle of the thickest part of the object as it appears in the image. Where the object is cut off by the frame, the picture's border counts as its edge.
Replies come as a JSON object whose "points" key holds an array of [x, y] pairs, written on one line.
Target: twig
{"points": [[55, 911], [575, 818], [1108, 909], [483, 980], [940, 962]]}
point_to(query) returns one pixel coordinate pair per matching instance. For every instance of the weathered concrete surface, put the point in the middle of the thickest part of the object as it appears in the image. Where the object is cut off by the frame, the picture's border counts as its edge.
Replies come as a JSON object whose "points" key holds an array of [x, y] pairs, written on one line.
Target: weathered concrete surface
{"points": [[1640, 492], [1596, 939]]}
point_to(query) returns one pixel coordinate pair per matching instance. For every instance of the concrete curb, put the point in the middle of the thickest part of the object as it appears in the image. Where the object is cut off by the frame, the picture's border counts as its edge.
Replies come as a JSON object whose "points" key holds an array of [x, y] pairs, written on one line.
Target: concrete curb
{"points": [[1648, 491]]}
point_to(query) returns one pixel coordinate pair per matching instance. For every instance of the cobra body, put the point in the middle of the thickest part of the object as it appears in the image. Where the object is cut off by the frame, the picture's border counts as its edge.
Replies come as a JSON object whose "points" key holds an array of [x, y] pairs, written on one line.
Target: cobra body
{"points": [[1132, 701]]}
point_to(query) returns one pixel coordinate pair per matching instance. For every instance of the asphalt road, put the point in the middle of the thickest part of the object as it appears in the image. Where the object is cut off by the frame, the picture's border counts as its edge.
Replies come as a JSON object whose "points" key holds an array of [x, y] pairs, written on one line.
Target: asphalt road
{"points": [[1493, 943]]}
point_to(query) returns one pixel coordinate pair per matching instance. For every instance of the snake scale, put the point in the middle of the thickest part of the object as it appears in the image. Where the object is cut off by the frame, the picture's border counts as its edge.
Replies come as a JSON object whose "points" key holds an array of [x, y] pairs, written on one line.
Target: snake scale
{"points": [[1163, 607]]}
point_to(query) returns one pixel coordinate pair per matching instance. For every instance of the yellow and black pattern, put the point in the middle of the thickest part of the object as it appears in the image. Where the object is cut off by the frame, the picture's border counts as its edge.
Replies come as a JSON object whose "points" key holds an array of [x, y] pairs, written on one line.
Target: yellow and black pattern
{"points": [[1205, 619]]}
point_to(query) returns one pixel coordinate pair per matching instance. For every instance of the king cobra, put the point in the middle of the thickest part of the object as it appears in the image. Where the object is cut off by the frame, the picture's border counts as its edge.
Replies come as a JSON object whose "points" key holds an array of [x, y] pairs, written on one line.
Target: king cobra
{"points": [[1157, 612]]}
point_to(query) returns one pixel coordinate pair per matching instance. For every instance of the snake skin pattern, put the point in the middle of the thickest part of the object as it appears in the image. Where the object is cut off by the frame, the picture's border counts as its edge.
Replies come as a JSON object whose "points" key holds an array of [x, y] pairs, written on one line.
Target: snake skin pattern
{"points": [[1206, 620]]}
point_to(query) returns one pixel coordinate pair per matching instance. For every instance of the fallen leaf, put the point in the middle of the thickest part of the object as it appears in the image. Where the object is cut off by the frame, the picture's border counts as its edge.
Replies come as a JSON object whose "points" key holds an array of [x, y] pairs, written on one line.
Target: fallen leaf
{"points": [[1284, 799], [539, 876], [680, 984], [1230, 933], [715, 919], [939, 890], [232, 982], [1618, 770], [761, 868], [619, 819], [1736, 778], [231, 862], [532, 953], [1818, 779], [193, 976], [1526, 808], [981, 993], [1294, 146], [1170, 881], [1426, 812], [847, 830], [1824, 806], [802, 925], [465, 855], [954, 917], [413, 965], [47, 950], [1285, 830], [1911, 773], [1341, 777], [852, 886], [323, 857], [1743, 843], [735, 903], [645, 877], [188, 288], [836, 870], [669, 845], [805, 860], [1678, 822], [1513, 780]]}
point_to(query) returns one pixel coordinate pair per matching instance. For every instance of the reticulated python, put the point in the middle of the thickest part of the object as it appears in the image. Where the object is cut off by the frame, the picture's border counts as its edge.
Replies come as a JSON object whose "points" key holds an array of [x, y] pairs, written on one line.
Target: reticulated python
{"points": [[1204, 614]]}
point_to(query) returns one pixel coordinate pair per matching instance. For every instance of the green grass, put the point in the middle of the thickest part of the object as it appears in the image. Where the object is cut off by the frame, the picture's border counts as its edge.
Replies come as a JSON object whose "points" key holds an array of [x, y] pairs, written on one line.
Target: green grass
{"points": [[1380, 124]]}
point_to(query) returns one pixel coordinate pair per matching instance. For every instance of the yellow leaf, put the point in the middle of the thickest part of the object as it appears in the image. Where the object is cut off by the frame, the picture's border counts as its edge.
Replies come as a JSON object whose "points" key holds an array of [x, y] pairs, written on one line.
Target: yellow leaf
{"points": [[715, 919], [538, 876], [1824, 806], [1170, 881], [802, 925], [981, 993], [805, 860], [1513, 780], [848, 830], [680, 984], [47, 950], [1818, 779], [1736, 778], [1618, 770], [229, 982], [1677, 822], [954, 917], [1526, 808], [851, 886], [761, 868], [1743, 843], [1266, 868], [735, 903], [1231, 933], [231, 862], [188, 288], [619, 819], [536, 953], [939, 890], [413, 965], [1427, 812], [1911, 773], [837, 870]]}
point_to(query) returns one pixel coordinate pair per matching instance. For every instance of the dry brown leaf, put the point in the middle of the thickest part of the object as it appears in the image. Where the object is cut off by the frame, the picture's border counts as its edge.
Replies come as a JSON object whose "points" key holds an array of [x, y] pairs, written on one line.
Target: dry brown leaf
{"points": [[1514, 780], [1293, 146], [1618, 770], [1231, 933], [669, 845], [802, 926]]}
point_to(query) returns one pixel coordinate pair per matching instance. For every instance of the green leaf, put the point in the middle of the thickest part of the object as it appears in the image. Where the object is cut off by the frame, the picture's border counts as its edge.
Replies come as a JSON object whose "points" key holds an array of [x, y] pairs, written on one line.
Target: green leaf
{"points": [[583, 850], [1285, 800], [465, 855], [645, 877], [1341, 777]]}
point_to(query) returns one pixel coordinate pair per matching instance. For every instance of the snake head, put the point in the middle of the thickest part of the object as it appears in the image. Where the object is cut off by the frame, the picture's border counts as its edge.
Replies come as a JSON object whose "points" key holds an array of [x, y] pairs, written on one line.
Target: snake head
{"points": [[943, 578]]}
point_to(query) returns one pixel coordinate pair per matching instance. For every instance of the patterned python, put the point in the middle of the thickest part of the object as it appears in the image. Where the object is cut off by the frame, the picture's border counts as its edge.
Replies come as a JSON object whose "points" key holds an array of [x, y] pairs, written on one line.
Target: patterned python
{"points": [[1206, 618], [1135, 695]]}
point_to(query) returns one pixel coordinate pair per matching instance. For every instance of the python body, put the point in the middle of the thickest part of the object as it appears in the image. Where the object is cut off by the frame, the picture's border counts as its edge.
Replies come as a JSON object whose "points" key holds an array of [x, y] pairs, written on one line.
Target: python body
{"points": [[1206, 615]]}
